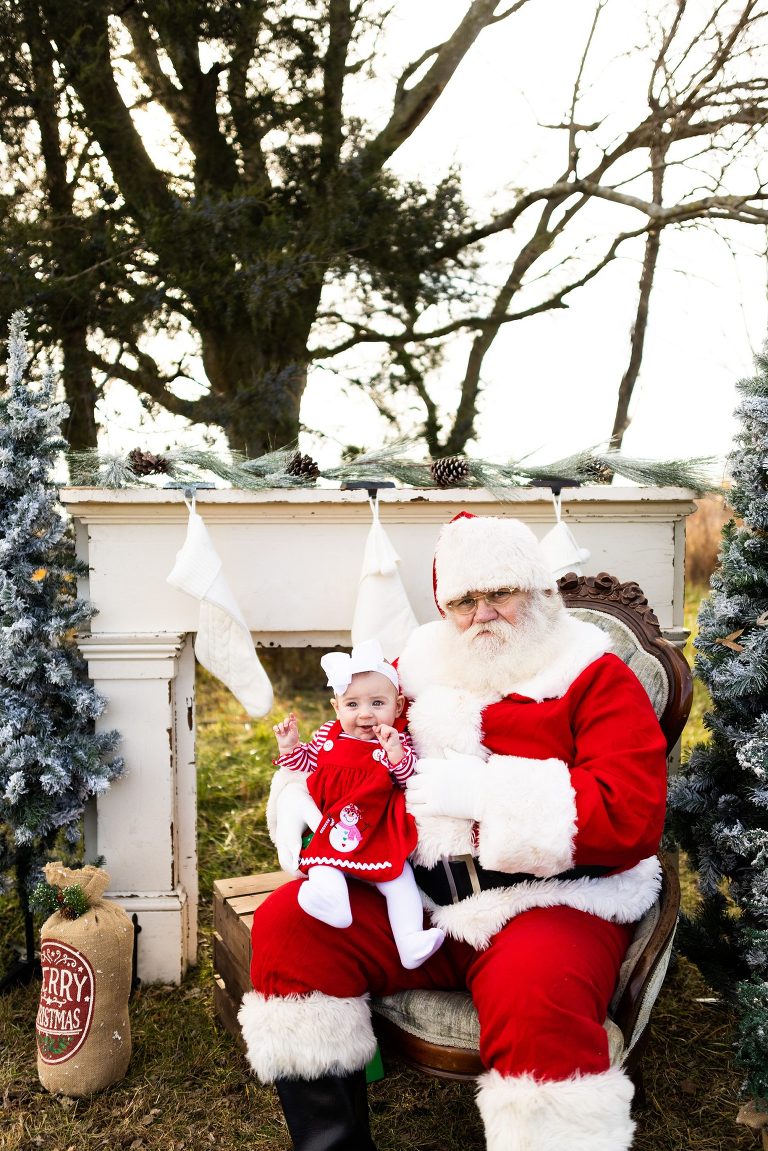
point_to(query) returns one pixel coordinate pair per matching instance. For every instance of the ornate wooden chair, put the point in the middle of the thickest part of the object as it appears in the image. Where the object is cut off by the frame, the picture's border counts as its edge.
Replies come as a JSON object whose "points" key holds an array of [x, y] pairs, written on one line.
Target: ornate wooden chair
{"points": [[438, 1031]]}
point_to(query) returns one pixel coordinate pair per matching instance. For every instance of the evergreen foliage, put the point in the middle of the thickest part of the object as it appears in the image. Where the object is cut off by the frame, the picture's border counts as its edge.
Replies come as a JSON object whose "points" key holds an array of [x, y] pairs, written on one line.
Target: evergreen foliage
{"points": [[51, 758], [719, 805], [71, 901]]}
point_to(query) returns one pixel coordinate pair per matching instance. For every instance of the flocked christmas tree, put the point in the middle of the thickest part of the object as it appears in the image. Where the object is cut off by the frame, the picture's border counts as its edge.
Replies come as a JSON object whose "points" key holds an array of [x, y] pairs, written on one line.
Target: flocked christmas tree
{"points": [[52, 760], [719, 805]]}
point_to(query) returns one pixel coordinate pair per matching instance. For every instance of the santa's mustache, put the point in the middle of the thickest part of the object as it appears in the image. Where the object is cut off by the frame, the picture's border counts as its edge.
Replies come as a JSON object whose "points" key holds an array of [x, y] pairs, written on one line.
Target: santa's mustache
{"points": [[500, 629]]}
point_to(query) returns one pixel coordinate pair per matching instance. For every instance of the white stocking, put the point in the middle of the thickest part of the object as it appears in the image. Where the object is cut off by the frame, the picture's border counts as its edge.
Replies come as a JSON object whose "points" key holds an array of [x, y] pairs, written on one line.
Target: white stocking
{"points": [[325, 896], [406, 918]]}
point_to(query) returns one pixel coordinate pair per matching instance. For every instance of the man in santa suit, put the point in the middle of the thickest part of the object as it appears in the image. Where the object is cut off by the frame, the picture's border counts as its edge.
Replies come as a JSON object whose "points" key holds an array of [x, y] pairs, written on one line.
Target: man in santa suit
{"points": [[539, 799]]}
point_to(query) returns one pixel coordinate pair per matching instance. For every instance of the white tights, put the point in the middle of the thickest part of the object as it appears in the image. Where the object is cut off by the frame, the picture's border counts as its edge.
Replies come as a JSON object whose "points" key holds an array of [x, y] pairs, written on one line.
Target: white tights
{"points": [[326, 897]]}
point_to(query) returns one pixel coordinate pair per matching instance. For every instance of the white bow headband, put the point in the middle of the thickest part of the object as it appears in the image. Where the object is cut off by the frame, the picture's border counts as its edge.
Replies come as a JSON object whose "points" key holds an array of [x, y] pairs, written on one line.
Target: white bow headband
{"points": [[366, 656]]}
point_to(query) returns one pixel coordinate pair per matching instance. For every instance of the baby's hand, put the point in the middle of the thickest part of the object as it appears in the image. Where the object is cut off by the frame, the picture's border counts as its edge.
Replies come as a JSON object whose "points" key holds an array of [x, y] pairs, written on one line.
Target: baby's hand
{"points": [[287, 733], [390, 741]]}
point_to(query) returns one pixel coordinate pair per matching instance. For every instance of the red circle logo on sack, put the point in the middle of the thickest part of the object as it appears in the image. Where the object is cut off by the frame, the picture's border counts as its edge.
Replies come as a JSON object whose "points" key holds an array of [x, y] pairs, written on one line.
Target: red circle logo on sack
{"points": [[66, 1001]]}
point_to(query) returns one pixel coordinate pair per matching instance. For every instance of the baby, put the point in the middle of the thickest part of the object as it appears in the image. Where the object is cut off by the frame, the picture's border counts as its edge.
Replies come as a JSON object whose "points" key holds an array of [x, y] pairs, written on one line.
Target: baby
{"points": [[357, 766]]}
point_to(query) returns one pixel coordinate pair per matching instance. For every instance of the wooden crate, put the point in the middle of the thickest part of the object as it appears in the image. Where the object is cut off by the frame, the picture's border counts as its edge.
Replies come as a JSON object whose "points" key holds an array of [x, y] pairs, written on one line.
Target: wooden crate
{"points": [[234, 902]]}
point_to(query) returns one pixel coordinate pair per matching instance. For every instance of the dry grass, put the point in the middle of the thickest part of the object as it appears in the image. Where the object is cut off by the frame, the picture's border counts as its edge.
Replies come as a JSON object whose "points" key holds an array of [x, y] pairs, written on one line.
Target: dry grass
{"points": [[188, 1086], [702, 538]]}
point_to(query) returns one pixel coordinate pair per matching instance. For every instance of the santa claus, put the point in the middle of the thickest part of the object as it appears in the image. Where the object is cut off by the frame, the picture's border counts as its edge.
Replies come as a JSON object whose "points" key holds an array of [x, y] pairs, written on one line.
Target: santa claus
{"points": [[539, 800]]}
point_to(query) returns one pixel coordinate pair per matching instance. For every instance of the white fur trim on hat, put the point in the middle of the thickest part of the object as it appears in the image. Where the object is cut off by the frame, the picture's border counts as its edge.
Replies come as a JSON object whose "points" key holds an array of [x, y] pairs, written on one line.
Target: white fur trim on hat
{"points": [[583, 1113], [305, 1036], [479, 553], [527, 816]]}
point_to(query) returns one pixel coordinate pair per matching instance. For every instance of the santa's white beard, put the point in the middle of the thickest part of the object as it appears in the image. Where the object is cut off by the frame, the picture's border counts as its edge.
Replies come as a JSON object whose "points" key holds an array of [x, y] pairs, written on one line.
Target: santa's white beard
{"points": [[495, 656]]}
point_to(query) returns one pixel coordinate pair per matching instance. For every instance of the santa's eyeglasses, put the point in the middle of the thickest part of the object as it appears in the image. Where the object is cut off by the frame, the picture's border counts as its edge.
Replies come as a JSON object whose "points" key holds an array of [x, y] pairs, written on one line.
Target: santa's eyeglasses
{"points": [[470, 603]]}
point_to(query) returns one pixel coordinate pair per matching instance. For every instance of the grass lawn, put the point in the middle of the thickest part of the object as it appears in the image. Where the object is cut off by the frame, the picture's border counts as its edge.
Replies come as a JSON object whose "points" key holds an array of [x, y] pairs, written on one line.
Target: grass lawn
{"points": [[188, 1086]]}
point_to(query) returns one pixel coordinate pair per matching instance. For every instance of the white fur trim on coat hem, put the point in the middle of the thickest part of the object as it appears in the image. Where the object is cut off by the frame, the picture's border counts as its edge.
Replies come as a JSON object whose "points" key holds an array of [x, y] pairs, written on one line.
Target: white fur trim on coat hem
{"points": [[621, 898], [305, 1036], [527, 816], [584, 1113]]}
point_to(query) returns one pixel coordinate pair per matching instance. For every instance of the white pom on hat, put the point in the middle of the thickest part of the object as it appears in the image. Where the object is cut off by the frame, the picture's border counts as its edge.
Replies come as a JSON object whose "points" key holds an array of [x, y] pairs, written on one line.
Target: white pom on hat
{"points": [[479, 553]]}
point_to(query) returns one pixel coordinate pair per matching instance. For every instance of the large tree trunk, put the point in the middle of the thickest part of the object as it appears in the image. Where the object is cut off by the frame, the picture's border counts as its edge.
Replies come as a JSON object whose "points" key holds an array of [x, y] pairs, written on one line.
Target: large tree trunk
{"points": [[256, 390], [80, 427]]}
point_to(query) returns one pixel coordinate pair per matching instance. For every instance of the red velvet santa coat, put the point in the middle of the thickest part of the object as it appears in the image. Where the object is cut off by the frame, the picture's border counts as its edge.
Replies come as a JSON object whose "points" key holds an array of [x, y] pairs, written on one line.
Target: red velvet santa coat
{"points": [[574, 774]]}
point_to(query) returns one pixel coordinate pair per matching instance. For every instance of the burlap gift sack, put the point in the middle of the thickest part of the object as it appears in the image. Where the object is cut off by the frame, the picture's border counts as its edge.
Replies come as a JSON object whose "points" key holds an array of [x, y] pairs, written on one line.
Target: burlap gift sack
{"points": [[83, 1029]]}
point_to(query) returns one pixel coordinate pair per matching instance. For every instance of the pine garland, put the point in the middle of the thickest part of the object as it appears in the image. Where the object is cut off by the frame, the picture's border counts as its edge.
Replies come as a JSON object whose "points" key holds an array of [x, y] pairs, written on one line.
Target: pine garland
{"points": [[719, 803], [289, 468]]}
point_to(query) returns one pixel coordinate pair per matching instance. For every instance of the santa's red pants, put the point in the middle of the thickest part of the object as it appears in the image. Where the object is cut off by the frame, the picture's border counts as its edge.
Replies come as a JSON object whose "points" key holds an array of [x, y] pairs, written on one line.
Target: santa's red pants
{"points": [[541, 988]]}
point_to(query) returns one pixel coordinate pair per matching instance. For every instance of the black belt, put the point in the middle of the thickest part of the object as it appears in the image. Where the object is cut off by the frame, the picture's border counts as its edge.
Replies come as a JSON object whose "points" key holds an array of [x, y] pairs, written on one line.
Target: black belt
{"points": [[457, 877]]}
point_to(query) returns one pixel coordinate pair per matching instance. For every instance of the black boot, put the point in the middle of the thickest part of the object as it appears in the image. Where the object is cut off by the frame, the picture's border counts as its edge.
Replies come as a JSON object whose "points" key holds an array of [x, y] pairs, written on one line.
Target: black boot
{"points": [[328, 1114]]}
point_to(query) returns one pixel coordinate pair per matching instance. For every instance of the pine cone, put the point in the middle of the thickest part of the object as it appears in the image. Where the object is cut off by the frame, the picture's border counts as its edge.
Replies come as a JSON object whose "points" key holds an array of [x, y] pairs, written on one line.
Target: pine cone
{"points": [[598, 472], [450, 472], [300, 465], [148, 464]]}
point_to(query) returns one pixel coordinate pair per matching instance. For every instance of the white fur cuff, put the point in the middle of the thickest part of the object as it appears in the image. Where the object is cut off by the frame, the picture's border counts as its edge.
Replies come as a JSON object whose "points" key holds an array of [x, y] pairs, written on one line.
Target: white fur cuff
{"points": [[527, 816], [281, 780], [305, 1036], [585, 1113]]}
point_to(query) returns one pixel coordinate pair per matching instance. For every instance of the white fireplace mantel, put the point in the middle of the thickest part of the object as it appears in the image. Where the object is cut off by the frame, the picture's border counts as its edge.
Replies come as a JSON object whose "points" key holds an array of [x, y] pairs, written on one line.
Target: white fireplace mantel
{"points": [[292, 558]]}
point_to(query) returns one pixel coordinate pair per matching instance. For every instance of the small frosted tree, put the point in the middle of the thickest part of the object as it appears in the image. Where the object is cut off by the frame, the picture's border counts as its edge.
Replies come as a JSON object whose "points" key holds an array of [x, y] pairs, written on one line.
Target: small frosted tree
{"points": [[719, 805], [52, 760]]}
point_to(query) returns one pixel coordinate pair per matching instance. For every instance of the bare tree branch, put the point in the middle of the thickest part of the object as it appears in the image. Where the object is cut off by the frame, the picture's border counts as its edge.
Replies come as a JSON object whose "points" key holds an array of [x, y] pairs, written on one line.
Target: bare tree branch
{"points": [[249, 131], [149, 379], [572, 127], [508, 11], [412, 104], [145, 57], [640, 326], [494, 319], [85, 24], [192, 103]]}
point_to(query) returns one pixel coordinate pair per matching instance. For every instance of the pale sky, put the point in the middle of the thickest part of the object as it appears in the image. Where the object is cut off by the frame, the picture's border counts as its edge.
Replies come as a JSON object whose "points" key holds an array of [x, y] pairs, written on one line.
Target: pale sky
{"points": [[551, 382]]}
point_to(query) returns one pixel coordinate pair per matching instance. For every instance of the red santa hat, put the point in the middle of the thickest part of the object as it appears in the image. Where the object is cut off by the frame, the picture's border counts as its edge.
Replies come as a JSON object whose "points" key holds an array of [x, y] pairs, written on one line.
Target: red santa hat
{"points": [[480, 553]]}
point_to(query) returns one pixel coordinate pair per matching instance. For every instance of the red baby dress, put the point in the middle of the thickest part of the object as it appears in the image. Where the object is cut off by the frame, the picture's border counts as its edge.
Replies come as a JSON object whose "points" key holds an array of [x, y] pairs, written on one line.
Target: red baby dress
{"points": [[365, 831]]}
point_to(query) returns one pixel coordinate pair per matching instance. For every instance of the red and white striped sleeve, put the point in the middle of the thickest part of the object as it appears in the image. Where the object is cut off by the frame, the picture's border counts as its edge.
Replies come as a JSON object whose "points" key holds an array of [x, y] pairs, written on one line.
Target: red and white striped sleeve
{"points": [[303, 757], [406, 767]]}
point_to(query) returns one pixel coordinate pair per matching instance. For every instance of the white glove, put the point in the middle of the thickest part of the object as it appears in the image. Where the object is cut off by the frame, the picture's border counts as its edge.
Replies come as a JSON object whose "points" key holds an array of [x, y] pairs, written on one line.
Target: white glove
{"points": [[296, 811], [452, 786]]}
